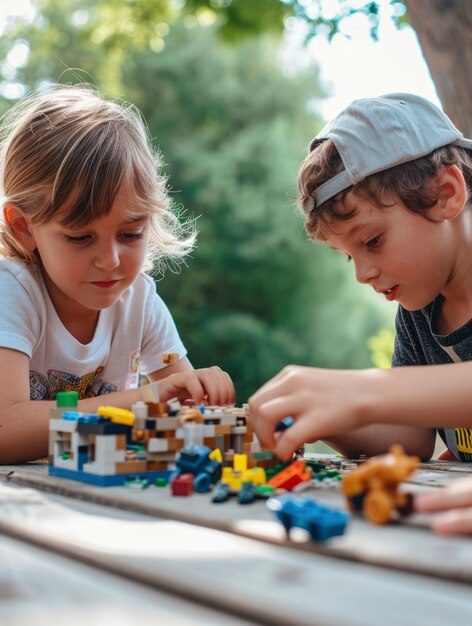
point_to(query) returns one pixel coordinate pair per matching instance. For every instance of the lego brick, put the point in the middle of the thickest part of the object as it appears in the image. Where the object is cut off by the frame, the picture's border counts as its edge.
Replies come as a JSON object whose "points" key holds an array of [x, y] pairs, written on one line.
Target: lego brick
{"points": [[150, 393], [222, 430], [157, 409], [127, 467], [111, 480], [140, 410], [60, 425], [182, 485], [158, 445], [105, 428], [209, 442], [166, 423]]}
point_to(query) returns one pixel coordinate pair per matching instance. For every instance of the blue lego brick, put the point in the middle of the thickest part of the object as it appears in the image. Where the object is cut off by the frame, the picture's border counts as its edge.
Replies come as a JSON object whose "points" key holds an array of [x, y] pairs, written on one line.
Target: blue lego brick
{"points": [[77, 416], [195, 460], [321, 522], [110, 480]]}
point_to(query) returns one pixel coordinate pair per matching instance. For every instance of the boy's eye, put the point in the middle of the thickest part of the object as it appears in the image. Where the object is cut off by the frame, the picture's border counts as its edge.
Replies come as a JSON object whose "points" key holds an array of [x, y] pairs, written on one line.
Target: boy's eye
{"points": [[374, 242]]}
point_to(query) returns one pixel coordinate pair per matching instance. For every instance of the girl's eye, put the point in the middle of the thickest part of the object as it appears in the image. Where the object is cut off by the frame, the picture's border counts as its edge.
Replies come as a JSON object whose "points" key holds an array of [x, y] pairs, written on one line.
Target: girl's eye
{"points": [[132, 236], [79, 239]]}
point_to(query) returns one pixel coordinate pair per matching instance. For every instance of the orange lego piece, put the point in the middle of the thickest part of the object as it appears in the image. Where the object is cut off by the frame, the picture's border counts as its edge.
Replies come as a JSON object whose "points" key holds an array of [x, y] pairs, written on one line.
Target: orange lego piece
{"points": [[292, 475], [373, 486]]}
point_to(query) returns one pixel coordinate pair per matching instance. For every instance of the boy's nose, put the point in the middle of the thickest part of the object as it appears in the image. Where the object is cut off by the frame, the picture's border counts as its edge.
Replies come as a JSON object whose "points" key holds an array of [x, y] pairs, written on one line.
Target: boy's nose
{"points": [[366, 272]]}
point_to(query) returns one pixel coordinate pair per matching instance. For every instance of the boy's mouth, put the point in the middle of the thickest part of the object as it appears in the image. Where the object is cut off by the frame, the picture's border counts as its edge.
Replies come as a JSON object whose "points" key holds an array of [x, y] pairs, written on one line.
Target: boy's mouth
{"points": [[390, 294]]}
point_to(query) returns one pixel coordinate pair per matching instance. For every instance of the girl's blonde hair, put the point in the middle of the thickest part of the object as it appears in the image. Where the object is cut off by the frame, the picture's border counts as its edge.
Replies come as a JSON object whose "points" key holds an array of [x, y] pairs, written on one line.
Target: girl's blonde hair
{"points": [[65, 154], [414, 183]]}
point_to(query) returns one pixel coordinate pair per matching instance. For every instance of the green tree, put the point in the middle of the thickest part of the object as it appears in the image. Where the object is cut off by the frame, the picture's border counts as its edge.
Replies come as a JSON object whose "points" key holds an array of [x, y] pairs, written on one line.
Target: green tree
{"points": [[256, 294]]}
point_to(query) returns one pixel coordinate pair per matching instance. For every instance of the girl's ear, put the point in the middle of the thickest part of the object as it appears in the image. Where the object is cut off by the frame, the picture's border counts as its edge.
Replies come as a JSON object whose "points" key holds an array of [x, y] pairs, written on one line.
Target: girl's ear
{"points": [[452, 193], [19, 225]]}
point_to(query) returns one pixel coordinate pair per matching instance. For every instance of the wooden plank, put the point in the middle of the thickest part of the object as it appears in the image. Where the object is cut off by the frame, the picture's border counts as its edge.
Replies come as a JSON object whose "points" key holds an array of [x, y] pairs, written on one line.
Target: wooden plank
{"points": [[409, 546], [243, 577], [42, 588]]}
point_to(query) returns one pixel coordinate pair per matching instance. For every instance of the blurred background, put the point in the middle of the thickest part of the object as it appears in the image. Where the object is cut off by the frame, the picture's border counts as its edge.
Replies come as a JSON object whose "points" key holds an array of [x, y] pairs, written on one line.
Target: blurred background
{"points": [[233, 91]]}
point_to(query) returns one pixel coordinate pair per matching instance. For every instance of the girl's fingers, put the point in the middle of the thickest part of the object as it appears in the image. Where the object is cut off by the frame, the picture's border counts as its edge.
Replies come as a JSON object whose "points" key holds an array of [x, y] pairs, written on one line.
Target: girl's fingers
{"points": [[217, 384], [457, 495], [457, 522]]}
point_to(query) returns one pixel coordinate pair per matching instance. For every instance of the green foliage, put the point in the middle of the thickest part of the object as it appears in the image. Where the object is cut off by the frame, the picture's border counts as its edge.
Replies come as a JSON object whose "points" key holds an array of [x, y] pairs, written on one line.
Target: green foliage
{"points": [[233, 128], [381, 346]]}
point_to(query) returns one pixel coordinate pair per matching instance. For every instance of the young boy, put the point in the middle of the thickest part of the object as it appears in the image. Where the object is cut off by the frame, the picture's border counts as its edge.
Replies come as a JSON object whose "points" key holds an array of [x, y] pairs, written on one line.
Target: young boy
{"points": [[388, 183]]}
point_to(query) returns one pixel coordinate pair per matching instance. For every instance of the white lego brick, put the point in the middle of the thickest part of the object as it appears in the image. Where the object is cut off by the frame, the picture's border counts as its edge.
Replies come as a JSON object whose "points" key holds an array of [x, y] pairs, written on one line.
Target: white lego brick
{"points": [[101, 469], [192, 434], [150, 393], [140, 409], [157, 445], [70, 464], [105, 448], [65, 426], [166, 423], [78, 439], [239, 430], [222, 419]]}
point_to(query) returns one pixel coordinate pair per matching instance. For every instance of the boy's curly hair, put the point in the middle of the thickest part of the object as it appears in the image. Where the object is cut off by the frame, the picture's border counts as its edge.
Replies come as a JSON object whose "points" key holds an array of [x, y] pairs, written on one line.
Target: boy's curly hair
{"points": [[414, 183]]}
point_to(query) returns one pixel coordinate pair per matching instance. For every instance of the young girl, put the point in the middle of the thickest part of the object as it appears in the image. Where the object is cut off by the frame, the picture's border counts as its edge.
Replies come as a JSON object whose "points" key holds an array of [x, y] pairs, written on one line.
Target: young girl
{"points": [[84, 213]]}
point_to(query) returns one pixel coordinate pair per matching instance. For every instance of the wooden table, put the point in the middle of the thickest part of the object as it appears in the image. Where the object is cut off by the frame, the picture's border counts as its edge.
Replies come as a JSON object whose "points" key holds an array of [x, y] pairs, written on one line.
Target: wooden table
{"points": [[149, 555]]}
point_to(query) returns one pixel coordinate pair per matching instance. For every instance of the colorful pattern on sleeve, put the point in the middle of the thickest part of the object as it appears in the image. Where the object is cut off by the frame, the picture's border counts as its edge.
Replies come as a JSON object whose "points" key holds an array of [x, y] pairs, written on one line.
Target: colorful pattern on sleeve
{"points": [[87, 386]]}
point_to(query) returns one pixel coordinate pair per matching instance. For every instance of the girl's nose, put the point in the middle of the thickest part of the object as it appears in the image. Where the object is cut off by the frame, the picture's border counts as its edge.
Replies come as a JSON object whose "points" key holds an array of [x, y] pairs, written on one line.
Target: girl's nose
{"points": [[107, 257]]}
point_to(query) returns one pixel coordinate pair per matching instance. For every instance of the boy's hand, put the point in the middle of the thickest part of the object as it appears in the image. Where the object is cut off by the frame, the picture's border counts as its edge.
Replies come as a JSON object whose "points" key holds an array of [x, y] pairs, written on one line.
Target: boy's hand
{"points": [[456, 500], [211, 385], [322, 403]]}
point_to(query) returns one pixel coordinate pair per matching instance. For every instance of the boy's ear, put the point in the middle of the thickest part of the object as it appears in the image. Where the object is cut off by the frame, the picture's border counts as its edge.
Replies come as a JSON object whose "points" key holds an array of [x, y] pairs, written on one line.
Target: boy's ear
{"points": [[20, 225], [452, 193]]}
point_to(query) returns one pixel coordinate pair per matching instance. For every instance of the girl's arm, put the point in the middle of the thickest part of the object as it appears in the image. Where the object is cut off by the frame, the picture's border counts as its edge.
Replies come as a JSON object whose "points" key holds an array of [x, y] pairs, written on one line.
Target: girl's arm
{"points": [[24, 423]]}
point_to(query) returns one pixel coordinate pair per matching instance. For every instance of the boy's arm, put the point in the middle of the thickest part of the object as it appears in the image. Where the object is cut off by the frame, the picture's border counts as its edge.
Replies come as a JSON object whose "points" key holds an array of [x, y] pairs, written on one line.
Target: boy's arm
{"points": [[377, 438], [328, 404]]}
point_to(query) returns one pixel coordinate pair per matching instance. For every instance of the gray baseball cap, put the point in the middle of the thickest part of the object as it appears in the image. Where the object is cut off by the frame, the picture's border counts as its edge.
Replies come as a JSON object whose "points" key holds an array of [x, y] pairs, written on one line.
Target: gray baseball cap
{"points": [[375, 134]]}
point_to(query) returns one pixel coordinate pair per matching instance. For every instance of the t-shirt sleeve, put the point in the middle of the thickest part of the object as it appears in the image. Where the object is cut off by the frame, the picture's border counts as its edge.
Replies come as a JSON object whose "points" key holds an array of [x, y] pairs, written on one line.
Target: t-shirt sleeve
{"points": [[20, 325], [160, 334]]}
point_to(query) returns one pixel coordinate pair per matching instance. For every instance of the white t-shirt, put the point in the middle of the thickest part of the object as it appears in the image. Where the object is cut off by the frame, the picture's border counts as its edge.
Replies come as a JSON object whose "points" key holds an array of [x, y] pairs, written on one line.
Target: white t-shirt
{"points": [[130, 335]]}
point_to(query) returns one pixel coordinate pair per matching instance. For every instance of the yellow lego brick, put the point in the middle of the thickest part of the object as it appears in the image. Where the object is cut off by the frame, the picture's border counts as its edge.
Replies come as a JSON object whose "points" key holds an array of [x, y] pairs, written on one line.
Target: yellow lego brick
{"points": [[215, 455], [240, 462], [117, 415]]}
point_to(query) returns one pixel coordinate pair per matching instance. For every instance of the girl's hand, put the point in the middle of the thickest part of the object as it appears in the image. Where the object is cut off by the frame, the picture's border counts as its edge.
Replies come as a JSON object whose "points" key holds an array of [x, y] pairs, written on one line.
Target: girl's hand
{"points": [[456, 500], [210, 385], [322, 403]]}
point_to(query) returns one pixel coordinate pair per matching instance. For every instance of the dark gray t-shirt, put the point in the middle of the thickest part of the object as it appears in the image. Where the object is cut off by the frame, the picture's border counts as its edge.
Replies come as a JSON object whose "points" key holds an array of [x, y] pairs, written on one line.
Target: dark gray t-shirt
{"points": [[416, 343]]}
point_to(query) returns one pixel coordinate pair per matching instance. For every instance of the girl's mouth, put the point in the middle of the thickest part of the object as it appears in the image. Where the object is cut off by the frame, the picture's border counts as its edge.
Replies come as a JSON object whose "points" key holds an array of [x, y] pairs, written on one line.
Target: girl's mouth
{"points": [[105, 284]]}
